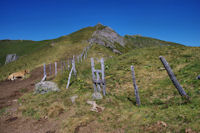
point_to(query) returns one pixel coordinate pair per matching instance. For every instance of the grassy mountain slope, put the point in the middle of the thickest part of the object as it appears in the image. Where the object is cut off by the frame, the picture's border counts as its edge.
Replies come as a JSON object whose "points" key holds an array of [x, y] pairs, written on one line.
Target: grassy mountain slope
{"points": [[34, 54], [20, 47], [160, 100]]}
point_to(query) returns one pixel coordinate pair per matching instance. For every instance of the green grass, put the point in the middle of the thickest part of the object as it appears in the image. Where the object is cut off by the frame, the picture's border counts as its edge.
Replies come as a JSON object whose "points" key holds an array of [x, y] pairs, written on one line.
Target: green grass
{"points": [[159, 98], [33, 54], [19, 47]]}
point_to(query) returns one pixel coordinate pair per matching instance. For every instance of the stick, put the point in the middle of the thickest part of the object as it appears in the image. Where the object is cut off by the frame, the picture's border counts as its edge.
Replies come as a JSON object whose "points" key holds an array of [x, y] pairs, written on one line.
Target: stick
{"points": [[173, 78], [136, 88], [93, 75]]}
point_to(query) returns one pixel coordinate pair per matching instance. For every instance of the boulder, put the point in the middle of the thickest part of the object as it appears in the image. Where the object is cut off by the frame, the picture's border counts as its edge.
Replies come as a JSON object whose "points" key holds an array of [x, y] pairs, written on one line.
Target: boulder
{"points": [[107, 37], [11, 58], [46, 86], [97, 95]]}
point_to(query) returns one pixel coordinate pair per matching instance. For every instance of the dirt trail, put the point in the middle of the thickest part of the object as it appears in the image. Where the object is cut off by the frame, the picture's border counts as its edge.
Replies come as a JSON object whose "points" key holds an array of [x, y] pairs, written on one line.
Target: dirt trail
{"points": [[10, 91]]}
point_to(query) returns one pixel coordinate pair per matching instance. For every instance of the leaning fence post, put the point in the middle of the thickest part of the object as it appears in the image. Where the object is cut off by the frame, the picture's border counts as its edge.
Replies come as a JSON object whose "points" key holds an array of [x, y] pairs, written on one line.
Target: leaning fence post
{"points": [[93, 74], [74, 66], [70, 74], [103, 76], [55, 68], [135, 86], [173, 78]]}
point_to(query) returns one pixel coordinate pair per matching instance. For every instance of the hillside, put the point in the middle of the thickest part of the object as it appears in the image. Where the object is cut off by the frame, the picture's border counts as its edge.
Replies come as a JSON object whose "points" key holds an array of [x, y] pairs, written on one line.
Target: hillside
{"points": [[159, 98], [35, 53], [162, 108]]}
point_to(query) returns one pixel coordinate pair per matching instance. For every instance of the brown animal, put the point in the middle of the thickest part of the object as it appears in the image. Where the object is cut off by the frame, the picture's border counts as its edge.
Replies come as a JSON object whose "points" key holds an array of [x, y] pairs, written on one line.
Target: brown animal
{"points": [[16, 75]]}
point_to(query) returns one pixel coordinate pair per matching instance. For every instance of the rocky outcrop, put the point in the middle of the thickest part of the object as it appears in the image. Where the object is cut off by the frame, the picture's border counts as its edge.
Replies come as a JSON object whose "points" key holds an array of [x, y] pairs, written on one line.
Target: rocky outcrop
{"points": [[107, 37], [46, 86], [11, 58]]}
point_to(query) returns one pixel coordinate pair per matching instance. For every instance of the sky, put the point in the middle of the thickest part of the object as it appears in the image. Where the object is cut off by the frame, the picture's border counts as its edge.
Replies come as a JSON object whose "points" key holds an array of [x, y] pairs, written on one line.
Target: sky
{"points": [[171, 20]]}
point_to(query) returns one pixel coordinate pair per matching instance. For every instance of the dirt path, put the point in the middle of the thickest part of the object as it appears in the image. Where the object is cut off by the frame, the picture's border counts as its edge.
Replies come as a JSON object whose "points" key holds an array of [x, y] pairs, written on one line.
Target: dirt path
{"points": [[10, 91]]}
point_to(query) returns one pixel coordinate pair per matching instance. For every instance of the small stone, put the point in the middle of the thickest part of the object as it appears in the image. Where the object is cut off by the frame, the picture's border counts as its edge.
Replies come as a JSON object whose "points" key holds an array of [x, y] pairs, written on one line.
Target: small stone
{"points": [[97, 95], [73, 98]]}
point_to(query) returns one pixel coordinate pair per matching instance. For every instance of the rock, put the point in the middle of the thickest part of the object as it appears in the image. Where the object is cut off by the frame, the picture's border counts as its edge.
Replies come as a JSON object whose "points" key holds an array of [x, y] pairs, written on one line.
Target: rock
{"points": [[95, 107], [97, 95], [107, 37], [11, 58], [73, 98], [116, 51], [161, 123], [46, 86]]}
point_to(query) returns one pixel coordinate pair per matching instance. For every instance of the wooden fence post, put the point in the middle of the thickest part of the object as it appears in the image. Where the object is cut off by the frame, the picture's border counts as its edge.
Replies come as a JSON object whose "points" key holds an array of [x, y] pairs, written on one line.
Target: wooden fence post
{"points": [[73, 69], [55, 68], [93, 74], [173, 78], [74, 66], [136, 88], [70, 74]]}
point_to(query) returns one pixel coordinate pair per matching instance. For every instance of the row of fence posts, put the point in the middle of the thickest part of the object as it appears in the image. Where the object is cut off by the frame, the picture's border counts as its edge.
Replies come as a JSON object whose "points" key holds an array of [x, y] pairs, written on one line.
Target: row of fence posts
{"points": [[79, 58], [97, 82]]}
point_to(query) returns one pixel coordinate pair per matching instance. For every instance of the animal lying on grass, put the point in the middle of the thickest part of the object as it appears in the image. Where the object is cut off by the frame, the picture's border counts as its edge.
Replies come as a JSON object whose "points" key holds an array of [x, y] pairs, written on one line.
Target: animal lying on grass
{"points": [[17, 75]]}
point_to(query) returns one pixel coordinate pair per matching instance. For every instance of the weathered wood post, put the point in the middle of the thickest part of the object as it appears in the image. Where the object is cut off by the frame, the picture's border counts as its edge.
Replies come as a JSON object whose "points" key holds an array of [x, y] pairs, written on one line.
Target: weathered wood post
{"points": [[173, 78], [50, 69], [135, 86], [68, 82], [93, 75], [74, 66], [73, 69], [103, 76], [98, 79], [55, 68], [97, 82]]}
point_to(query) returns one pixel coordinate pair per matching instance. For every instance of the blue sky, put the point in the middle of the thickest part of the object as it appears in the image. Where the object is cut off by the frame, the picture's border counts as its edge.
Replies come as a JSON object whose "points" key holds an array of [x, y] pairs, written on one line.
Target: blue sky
{"points": [[170, 20]]}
